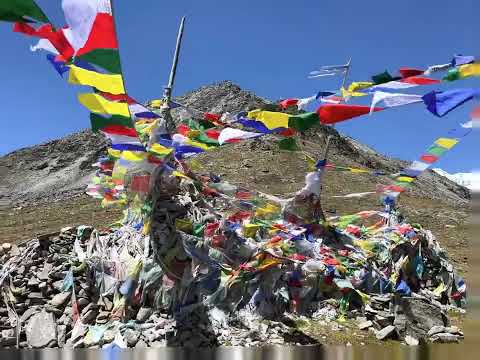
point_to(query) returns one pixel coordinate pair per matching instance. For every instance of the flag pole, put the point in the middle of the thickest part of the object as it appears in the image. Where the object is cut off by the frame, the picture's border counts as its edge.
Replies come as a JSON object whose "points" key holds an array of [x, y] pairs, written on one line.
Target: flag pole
{"points": [[347, 72], [173, 72]]}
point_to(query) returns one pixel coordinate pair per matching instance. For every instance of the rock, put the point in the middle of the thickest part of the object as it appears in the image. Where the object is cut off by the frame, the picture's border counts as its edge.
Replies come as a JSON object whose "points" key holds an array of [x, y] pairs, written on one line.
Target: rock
{"points": [[365, 325], [436, 330], [411, 341], [6, 247], [33, 282], [103, 317], [8, 342], [61, 299], [61, 335], [382, 322], [89, 316], [416, 317], [29, 313], [83, 302], [131, 337], [386, 332], [445, 338], [141, 345], [144, 314], [41, 330]]}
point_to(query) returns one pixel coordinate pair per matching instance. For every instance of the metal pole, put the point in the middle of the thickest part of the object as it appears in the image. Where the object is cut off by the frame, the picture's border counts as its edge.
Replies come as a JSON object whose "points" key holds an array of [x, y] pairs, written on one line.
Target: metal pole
{"points": [[347, 72], [168, 90]]}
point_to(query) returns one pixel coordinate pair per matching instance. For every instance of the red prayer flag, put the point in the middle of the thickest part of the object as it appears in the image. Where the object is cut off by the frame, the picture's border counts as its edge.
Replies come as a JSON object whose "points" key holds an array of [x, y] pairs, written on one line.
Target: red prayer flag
{"points": [[407, 72], [56, 37], [429, 159], [288, 102], [120, 130], [212, 117], [420, 80], [140, 184], [102, 36], [334, 113], [120, 97], [183, 129], [212, 134]]}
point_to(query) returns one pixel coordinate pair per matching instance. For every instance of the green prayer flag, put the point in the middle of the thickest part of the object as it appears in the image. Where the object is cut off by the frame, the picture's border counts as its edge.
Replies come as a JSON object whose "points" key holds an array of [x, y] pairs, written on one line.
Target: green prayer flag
{"points": [[303, 122], [382, 78], [289, 144], [99, 122], [452, 75], [436, 150], [21, 11], [109, 59]]}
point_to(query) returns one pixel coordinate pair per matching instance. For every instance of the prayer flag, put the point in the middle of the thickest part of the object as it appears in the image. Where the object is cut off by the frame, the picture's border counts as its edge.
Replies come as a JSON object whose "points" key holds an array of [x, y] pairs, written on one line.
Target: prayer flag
{"points": [[21, 11], [417, 80], [80, 16], [284, 104], [407, 72], [99, 122], [359, 85], [382, 78], [394, 99], [98, 104], [330, 70], [303, 122], [289, 144], [59, 66], [334, 113], [303, 103], [271, 120], [56, 37], [120, 130], [229, 134], [446, 142], [462, 60], [112, 84], [441, 103], [102, 35], [462, 72]]}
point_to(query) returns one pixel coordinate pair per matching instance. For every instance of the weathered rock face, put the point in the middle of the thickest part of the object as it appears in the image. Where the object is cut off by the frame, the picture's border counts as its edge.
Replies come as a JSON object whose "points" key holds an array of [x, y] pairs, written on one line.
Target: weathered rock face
{"points": [[415, 317], [42, 330]]}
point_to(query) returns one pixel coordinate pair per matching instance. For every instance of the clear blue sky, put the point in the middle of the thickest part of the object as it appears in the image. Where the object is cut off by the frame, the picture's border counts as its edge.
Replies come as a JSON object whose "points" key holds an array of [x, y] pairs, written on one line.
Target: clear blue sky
{"points": [[265, 46]]}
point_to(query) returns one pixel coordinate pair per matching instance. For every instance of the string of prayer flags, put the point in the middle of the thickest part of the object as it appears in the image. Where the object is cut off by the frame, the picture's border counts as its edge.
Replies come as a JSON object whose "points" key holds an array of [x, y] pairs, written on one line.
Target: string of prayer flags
{"points": [[432, 154], [394, 99], [21, 11], [440, 103], [334, 113]]}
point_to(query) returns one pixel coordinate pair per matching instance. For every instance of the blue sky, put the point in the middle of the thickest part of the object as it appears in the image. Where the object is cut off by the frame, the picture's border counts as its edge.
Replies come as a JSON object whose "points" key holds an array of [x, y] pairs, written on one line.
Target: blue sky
{"points": [[264, 46]]}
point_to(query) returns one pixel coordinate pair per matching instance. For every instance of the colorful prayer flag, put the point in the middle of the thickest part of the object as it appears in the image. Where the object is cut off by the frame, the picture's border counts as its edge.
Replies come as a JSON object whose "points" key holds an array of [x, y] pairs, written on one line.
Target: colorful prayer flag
{"points": [[21, 11], [441, 103], [112, 84], [98, 104], [334, 113]]}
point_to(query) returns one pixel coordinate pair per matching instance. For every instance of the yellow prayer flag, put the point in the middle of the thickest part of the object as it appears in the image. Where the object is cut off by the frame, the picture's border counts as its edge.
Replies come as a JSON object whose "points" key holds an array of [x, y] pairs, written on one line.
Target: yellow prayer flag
{"points": [[135, 156], [250, 230], [310, 163], [359, 85], [112, 84], [114, 153], [446, 142], [197, 144], [160, 149], [99, 105], [406, 179], [346, 93], [358, 171], [156, 103], [180, 175], [270, 119], [468, 70]]}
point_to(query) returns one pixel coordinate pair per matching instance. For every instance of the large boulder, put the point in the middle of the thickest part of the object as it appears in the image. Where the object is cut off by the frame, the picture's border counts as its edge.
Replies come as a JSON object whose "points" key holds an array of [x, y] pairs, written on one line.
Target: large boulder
{"points": [[41, 331], [415, 317]]}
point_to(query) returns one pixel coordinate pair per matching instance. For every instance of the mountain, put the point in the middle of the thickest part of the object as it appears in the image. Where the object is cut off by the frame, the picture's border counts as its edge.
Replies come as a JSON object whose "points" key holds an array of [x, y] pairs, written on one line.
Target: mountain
{"points": [[468, 180], [42, 186]]}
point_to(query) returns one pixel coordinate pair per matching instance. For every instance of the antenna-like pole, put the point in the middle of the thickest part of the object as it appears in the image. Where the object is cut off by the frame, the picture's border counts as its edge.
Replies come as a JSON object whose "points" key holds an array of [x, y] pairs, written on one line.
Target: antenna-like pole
{"points": [[346, 72], [171, 81]]}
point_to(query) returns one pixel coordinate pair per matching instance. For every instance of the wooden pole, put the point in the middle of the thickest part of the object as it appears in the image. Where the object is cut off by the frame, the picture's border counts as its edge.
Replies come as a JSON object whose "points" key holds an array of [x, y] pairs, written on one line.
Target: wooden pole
{"points": [[173, 72]]}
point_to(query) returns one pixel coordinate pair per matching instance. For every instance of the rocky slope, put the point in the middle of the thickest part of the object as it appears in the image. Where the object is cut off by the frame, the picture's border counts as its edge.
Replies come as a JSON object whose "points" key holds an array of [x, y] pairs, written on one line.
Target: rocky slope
{"points": [[34, 179]]}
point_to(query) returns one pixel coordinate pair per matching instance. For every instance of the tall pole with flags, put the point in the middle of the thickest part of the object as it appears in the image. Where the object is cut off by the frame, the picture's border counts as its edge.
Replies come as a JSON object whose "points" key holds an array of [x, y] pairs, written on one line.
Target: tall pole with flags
{"points": [[173, 72]]}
